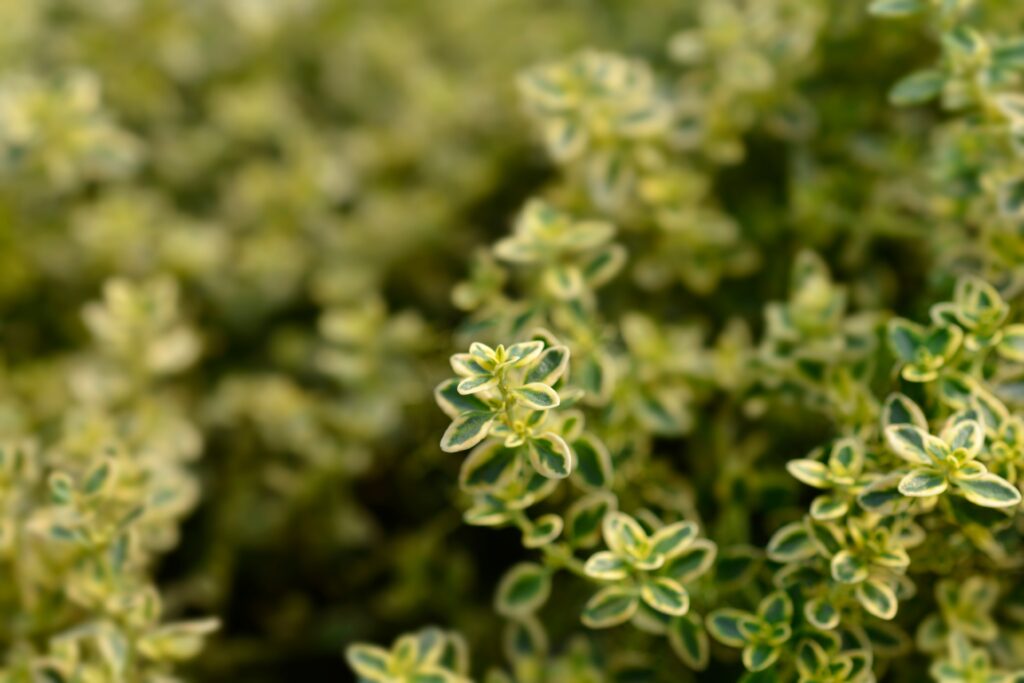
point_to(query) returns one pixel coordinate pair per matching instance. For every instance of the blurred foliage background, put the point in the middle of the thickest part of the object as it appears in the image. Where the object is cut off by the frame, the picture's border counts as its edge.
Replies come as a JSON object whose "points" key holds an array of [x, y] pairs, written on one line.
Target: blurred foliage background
{"points": [[229, 235]]}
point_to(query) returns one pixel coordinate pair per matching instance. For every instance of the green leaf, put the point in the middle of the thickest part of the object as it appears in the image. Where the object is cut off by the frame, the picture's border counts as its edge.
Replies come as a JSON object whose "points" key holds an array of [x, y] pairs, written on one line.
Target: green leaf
{"points": [[405, 652], [791, 543], [565, 139], [990, 410], [1010, 54], [523, 589], [483, 354], [759, 656], [776, 608], [923, 482], [689, 640], [894, 558], [583, 520], [550, 366], [525, 638], [176, 641], [97, 478], [965, 42], [860, 662], [453, 403], [609, 607], [693, 562], [569, 424], [486, 513], [604, 265], [431, 643], [476, 384], [114, 648], [944, 341], [544, 530], [665, 595], [810, 659], [899, 409], [846, 459], [606, 566], [821, 614], [895, 8], [1012, 345], [564, 281], [537, 396], [877, 598], [515, 249], [731, 626], [593, 461], [966, 434], [828, 507], [913, 444], [61, 487], [810, 472], [917, 88], [882, 495], [468, 365], [369, 662], [609, 177], [466, 431], [624, 535], [489, 466], [550, 456], [988, 490], [846, 568], [524, 353], [826, 536], [673, 539], [944, 313], [905, 337], [956, 389]]}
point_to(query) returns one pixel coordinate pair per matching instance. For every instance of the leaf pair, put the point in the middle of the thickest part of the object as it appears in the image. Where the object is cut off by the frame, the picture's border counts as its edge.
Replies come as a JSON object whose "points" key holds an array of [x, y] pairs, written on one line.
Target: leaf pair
{"points": [[948, 461], [632, 561], [761, 635], [429, 656]]}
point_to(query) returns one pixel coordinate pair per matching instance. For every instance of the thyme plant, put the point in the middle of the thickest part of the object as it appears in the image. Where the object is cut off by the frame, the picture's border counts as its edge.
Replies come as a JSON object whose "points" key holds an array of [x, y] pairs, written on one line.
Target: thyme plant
{"points": [[619, 341], [602, 426]]}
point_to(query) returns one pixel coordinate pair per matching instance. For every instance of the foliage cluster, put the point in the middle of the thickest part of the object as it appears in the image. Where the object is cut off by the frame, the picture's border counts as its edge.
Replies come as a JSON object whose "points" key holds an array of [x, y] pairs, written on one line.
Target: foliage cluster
{"points": [[735, 287], [634, 453]]}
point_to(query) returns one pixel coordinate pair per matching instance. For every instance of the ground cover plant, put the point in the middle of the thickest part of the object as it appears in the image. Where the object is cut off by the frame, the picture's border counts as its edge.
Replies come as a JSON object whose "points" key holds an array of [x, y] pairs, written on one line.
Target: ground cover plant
{"points": [[511, 341]]}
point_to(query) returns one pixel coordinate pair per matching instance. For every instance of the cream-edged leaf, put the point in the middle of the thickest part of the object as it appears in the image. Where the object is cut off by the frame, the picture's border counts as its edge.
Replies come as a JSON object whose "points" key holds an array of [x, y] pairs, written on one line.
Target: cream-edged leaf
{"points": [[923, 482], [466, 431], [551, 456], [610, 606], [537, 396], [523, 589], [665, 595]]}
